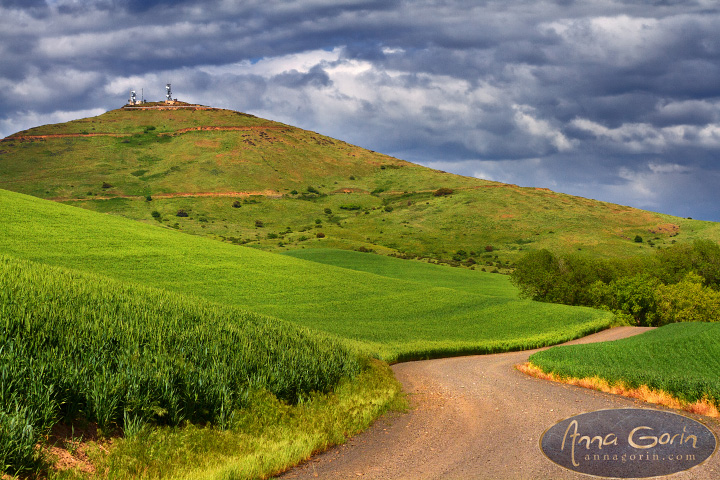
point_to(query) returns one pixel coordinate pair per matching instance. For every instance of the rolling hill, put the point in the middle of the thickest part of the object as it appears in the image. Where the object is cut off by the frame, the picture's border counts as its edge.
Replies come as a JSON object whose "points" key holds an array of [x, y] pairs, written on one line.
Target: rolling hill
{"points": [[391, 315], [250, 181], [123, 272]]}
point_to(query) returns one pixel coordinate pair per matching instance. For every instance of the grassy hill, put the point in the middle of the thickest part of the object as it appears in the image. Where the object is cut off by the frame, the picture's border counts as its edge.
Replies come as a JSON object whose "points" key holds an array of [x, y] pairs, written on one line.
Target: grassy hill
{"points": [[403, 314], [251, 181]]}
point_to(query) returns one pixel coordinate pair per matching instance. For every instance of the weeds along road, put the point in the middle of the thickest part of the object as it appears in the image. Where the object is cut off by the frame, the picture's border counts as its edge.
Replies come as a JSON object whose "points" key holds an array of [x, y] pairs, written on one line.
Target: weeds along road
{"points": [[475, 418]]}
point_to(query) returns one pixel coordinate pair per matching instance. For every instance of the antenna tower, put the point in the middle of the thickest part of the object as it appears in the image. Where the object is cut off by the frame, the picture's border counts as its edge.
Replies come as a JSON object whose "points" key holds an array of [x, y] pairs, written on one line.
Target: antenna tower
{"points": [[168, 96]]}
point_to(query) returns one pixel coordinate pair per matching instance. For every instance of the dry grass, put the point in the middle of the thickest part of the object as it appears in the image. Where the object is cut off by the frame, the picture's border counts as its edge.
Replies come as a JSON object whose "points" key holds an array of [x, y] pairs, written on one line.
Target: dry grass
{"points": [[644, 393]]}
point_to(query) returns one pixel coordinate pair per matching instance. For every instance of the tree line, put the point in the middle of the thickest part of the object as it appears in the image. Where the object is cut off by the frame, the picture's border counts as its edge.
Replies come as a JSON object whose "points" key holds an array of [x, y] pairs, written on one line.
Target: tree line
{"points": [[676, 284]]}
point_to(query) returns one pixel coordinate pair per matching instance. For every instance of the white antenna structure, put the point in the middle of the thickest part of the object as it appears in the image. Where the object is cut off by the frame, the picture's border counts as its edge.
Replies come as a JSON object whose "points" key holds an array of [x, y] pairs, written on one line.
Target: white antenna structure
{"points": [[132, 100], [168, 96]]}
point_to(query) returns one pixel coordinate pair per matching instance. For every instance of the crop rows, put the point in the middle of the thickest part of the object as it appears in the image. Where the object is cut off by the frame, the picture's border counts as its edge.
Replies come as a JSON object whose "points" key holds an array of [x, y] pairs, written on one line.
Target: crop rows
{"points": [[80, 346], [682, 359]]}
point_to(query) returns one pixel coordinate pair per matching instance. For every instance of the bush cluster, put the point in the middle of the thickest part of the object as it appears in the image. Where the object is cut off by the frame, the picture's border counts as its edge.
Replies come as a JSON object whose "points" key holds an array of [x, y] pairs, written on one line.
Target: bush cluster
{"points": [[679, 283]]}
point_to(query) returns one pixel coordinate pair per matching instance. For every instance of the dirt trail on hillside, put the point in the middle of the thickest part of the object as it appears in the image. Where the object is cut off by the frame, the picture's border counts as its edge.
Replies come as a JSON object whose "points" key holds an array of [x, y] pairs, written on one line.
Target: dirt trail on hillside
{"points": [[254, 193], [475, 418], [29, 138]]}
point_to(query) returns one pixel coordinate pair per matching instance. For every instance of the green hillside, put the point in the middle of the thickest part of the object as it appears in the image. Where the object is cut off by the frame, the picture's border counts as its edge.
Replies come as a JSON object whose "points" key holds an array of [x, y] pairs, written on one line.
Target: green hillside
{"points": [[80, 346], [251, 181], [390, 315]]}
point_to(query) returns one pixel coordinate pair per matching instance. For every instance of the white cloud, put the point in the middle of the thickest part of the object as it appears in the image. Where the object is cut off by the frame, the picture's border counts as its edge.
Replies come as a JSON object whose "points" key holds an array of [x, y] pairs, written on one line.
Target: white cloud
{"points": [[540, 128], [25, 120], [618, 40]]}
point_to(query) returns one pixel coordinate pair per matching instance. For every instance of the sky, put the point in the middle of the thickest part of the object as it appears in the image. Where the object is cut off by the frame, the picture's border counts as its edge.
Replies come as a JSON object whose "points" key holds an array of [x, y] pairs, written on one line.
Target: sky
{"points": [[613, 100]]}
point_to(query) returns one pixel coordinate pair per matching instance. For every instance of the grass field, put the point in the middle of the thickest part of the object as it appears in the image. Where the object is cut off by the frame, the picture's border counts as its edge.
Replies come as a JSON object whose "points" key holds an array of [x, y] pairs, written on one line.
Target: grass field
{"points": [[682, 359], [119, 322], [375, 201], [80, 346], [462, 280], [390, 316]]}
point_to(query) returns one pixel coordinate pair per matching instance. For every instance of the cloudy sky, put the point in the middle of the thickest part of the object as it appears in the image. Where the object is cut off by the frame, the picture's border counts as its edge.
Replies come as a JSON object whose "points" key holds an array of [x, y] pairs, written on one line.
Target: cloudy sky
{"points": [[613, 100]]}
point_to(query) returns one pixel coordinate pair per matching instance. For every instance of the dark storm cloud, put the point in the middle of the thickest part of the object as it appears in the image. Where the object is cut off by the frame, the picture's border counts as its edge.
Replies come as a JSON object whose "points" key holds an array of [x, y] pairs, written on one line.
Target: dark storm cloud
{"points": [[613, 99]]}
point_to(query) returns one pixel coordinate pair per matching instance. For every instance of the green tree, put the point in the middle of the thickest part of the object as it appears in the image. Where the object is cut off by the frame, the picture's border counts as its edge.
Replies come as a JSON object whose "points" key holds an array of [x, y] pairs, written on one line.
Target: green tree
{"points": [[701, 257], [688, 301], [535, 274], [632, 295]]}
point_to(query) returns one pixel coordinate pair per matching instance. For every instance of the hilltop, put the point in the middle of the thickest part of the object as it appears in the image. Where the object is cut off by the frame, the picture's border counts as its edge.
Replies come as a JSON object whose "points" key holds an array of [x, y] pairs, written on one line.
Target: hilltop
{"points": [[247, 180]]}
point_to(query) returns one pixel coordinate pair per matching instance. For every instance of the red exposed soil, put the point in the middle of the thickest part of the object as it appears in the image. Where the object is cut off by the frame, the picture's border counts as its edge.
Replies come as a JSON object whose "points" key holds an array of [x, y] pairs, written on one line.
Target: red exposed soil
{"points": [[263, 193], [30, 138], [667, 228], [226, 129], [26, 138]]}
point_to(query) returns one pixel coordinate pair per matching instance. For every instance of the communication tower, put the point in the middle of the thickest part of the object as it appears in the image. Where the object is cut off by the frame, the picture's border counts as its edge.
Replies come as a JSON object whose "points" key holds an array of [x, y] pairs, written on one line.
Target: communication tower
{"points": [[168, 95], [133, 99]]}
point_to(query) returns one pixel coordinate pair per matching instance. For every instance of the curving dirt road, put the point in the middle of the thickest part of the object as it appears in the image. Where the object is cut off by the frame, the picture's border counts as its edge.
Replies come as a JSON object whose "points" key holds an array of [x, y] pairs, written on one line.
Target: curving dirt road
{"points": [[475, 418]]}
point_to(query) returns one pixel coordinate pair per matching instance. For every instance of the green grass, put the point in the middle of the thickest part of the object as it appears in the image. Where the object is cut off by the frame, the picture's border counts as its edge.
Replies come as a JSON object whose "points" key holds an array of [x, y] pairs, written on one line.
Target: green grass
{"points": [[280, 159], [469, 281], [682, 359], [80, 346], [395, 318], [266, 438]]}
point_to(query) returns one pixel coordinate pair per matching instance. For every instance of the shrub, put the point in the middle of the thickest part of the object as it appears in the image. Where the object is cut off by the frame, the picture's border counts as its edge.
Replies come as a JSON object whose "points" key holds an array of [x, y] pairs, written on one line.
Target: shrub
{"points": [[687, 301], [388, 208], [106, 185], [489, 248], [155, 214], [148, 198], [293, 192], [314, 190], [272, 236], [328, 211], [638, 239], [701, 257], [441, 192], [350, 207], [320, 235], [633, 295], [259, 223], [318, 221], [181, 213], [237, 204]]}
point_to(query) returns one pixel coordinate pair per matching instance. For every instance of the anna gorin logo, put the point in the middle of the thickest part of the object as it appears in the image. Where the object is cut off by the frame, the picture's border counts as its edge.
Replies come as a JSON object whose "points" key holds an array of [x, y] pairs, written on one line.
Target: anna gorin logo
{"points": [[628, 442]]}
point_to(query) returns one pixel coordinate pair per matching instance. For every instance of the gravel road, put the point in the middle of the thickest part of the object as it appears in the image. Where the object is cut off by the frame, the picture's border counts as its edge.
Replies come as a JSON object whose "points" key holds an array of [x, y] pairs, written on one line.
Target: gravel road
{"points": [[475, 417]]}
